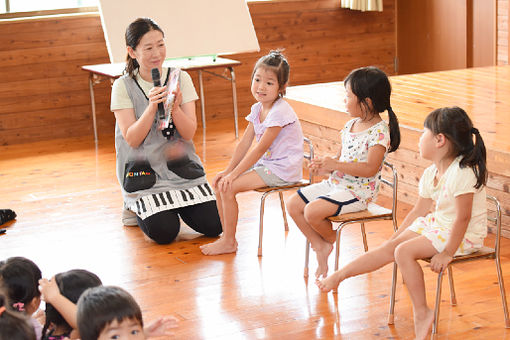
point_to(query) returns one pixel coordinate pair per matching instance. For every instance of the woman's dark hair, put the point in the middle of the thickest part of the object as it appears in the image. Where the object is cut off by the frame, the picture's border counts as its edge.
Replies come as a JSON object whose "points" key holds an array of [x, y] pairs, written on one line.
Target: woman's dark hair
{"points": [[454, 123], [14, 325], [71, 285], [134, 33], [100, 306], [20, 277], [370, 82], [276, 62]]}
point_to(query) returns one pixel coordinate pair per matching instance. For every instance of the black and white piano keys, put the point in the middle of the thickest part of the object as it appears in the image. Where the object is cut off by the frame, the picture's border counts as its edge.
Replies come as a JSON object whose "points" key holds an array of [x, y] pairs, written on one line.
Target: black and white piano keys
{"points": [[151, 204]]}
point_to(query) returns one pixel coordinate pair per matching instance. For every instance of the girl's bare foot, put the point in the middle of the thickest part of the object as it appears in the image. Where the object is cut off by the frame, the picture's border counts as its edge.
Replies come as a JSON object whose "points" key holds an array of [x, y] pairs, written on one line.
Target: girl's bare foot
{"points": [[322, 251], [423, 323], [329, 283], [220, 246]]}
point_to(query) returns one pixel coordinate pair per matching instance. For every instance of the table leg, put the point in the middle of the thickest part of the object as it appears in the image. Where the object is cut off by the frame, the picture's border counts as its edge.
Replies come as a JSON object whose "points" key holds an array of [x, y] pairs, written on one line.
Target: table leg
{"points": [[93, 104], [234, 98], [202, 100]]}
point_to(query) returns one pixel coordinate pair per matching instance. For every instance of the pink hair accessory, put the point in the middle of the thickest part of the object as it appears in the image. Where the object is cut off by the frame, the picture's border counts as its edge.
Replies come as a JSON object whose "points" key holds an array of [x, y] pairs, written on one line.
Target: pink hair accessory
{"points": [[19, 306], [2, 310]]}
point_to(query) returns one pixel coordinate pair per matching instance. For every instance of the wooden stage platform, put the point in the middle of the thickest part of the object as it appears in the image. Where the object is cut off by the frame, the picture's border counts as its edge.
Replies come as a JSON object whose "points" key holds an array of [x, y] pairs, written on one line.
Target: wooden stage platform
{"points": [[483, 92]]}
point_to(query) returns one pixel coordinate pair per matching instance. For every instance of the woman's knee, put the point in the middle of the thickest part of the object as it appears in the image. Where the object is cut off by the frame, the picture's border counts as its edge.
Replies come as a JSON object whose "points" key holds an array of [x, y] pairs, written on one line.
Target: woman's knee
{"points": [[161, 229]]}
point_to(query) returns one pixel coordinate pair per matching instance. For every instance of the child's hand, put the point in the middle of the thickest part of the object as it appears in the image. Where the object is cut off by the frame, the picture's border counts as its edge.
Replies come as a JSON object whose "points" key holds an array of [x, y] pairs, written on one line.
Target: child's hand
{"points": [[322, 166], [161, 327], [225, 183], [217, 178], [49, 290], [440, 261]]}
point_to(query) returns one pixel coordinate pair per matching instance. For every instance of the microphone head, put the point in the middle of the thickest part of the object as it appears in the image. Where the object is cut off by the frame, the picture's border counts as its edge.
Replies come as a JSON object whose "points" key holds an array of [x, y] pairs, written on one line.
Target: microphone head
{"points": [[155, 74]]}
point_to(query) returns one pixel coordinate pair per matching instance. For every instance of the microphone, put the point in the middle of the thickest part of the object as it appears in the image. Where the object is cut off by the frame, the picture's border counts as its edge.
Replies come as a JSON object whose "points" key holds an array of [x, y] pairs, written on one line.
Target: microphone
{"points": [[157, 82]]}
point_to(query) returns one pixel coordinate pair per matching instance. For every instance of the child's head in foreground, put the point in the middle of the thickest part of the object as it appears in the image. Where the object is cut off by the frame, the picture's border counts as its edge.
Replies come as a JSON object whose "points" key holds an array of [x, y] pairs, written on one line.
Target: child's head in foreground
{"points": [[20, 279], [71, 284], [13, 325], [109, 312]]}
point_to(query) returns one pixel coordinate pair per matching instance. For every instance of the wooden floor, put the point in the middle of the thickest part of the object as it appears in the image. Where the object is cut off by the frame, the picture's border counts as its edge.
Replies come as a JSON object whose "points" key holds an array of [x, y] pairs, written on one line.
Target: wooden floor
{"points": [[69, 216]]}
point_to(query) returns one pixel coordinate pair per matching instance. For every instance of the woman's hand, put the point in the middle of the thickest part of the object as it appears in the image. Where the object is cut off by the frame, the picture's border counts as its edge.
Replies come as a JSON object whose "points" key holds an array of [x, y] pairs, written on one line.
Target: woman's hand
{"points": [[178, 98], [440, 261], [161, 327], [49, 290], [157, 95]]}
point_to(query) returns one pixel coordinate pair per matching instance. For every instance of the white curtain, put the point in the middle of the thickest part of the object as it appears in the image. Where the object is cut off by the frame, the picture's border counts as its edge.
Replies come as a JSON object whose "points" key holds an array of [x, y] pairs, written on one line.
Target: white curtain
{"points": [[363, 5]]}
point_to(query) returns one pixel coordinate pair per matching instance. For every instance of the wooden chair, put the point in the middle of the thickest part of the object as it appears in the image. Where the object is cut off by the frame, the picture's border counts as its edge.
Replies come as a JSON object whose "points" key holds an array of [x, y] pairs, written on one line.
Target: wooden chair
{"points": [[373, 212], [483, 253], [269, 190]]}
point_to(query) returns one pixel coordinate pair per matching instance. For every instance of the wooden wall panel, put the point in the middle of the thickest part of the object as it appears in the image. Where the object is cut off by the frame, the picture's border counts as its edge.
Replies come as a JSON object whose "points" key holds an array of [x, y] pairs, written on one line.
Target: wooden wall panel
{"points": [[45, 93], [502, 34]]}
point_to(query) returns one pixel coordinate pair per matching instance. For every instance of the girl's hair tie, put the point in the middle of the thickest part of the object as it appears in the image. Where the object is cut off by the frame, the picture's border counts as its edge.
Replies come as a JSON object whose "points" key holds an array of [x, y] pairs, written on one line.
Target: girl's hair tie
{"points": [[19, 306], [2, 310], [475, 131]]}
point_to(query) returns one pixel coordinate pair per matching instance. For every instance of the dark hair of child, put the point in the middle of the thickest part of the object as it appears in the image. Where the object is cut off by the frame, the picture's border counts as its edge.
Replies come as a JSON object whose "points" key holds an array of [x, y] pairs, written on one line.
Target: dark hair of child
{"points": [[372, 83], [100, 306], [134, 33], [276, 62], [20, 277], [14, 325], [454, 123], [71, 285]]}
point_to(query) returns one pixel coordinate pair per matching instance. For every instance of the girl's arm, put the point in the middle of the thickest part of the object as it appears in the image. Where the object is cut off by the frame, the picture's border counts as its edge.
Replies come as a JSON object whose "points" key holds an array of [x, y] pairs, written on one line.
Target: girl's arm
{"points": [[463, 207], [239, 152], [362, 169], [420, 209], [134, 131], [252, 156], [51, 294], [183, 116]]}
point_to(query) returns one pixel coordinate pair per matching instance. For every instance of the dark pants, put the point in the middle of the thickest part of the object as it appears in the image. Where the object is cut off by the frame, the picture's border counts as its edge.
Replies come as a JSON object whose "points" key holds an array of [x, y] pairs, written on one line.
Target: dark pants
{"points": [[164, 226]]}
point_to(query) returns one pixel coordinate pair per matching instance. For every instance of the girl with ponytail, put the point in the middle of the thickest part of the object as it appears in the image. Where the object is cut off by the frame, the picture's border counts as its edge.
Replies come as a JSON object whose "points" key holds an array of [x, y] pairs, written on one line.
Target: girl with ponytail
{"points": [[354, 173], [453, 188]]}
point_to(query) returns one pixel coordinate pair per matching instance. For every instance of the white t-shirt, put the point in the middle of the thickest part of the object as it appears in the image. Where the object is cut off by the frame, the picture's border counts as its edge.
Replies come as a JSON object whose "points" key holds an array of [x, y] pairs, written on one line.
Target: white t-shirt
{"points": [[355, 146], [454, 182], [120, 99]]}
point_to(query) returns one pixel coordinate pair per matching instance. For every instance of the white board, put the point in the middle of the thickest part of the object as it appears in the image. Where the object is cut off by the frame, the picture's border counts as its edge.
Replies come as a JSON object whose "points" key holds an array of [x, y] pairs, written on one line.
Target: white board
{"points": [[191, 27]]}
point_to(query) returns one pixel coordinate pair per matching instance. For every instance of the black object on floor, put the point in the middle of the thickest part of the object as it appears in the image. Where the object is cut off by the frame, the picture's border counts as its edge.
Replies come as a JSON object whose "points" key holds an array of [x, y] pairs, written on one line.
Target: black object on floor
{"points": [[6, 215]]}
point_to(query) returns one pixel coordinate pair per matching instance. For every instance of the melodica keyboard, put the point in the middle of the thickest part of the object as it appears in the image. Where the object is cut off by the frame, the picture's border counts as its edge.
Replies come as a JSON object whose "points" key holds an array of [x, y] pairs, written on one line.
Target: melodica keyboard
{"points": [[153, 203]]}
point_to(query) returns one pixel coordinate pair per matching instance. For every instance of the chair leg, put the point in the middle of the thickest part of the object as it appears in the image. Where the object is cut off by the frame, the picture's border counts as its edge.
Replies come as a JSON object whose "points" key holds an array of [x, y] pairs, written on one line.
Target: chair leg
{"points": [[391, 316], [438, 302], [364, 235], [502, 292], [261, 222], [282, 203], [453, 298], [307, 257], [337, 250]]}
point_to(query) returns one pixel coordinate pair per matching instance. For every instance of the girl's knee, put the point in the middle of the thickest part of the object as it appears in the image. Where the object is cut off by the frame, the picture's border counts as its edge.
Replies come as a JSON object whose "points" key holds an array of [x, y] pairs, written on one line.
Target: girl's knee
{"points": [[295, 205], [402, 253]]}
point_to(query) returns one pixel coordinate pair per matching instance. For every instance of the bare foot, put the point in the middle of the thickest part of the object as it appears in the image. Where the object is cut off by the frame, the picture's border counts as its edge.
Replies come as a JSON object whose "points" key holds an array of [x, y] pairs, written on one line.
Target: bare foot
{"points": [[329, 283], [322, 251], [220, 246], [422, 324]]}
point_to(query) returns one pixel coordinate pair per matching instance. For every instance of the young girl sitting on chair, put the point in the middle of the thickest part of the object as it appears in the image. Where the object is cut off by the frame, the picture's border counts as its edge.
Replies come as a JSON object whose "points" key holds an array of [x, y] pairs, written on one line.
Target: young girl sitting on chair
{"points": [[355, 172], [457, 226], [275, 160]]}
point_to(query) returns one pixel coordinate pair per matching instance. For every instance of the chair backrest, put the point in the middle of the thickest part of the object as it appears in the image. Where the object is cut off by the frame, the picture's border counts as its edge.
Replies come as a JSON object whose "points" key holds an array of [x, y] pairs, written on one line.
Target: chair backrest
{"points": [[393, 183], [496, 219], [309, 156]]}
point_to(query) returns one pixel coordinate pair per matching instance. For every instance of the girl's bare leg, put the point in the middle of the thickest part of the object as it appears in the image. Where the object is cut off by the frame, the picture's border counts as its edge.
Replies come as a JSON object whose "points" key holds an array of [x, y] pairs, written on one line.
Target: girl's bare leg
{"points": [[366, 263], [320, 234], [406, 256], [227, 242]]}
